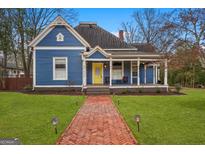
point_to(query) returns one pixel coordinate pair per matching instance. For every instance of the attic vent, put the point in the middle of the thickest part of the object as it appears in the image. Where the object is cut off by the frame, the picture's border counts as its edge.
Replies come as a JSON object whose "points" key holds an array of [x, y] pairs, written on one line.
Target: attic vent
{"points": [[60, 37], [88, 24]]}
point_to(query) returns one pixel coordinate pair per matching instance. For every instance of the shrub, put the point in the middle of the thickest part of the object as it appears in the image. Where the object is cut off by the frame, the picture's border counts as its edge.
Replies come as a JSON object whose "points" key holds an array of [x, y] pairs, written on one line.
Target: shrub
{"points": [[178, 87], [28, 87], [158, 90], [125, 91], [140, 90]]}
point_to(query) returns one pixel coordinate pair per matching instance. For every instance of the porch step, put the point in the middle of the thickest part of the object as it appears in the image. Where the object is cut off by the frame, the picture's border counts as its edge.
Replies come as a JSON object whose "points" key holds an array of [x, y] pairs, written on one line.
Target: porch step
{"points": [[98, 91]]}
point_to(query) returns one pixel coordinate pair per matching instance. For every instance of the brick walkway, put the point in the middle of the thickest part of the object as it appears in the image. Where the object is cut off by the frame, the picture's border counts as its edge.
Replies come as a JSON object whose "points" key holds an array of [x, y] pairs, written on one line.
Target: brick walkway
{"points": [[97, 122]]}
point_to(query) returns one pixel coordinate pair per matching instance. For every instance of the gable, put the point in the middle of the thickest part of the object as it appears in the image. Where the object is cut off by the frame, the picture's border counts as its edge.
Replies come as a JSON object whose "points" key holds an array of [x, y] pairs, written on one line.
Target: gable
{"points": [[97, 54], [51, 38], [59, 24]]}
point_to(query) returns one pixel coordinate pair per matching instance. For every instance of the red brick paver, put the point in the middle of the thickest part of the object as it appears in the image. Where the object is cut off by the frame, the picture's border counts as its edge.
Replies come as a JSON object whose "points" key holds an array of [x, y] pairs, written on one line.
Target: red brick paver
{"points": [[97, 122]]}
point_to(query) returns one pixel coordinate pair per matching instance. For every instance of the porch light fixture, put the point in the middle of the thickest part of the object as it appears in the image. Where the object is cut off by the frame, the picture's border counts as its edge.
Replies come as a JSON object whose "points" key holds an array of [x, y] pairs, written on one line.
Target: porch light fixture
{"points": [[105, 65], [54, 122], [137, 120]]}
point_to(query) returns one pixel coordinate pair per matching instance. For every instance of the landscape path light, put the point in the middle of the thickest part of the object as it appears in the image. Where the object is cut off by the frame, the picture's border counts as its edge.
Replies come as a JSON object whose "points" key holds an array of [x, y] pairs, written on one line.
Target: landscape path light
{"points": [[138, 120], [55, 122]]}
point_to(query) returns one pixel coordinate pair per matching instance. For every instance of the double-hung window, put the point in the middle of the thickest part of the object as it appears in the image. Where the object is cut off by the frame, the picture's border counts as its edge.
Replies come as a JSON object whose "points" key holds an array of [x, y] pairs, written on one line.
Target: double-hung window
{"points": [[117, 70], [60, 68]]}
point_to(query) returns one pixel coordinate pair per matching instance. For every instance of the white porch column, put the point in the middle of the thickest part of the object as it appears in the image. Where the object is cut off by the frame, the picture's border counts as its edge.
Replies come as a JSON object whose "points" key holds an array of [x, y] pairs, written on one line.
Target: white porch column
{"points": [[165, 72], [131, 72], [156, 74], [110, 72], [145, 73], [138, 71], [84, 73]]}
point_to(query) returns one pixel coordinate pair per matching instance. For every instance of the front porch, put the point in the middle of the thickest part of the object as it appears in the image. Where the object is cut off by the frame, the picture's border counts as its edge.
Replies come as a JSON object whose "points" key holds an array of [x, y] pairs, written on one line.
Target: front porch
{"points": [[132, 73], [101, 69]]}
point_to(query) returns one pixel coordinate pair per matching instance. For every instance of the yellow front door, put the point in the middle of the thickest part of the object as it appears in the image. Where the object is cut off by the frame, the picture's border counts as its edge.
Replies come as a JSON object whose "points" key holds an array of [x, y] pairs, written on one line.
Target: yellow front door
{"points": [[97, 72]]}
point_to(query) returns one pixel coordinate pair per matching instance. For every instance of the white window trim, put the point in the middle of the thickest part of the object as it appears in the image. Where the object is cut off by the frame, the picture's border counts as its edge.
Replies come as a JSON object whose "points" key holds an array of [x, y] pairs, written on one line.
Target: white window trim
{"points": [[66, 66], [122, 62]]}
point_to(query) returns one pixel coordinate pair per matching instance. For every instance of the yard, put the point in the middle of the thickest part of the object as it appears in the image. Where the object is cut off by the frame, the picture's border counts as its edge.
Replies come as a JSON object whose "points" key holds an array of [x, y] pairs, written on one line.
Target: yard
{"points": [[28, 117], [166, 119]]}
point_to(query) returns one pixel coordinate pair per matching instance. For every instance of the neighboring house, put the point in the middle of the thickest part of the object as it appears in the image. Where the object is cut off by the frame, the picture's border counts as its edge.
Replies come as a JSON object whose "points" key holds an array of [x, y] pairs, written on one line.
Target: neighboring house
{"points": [[11, 69], [88, 56]]}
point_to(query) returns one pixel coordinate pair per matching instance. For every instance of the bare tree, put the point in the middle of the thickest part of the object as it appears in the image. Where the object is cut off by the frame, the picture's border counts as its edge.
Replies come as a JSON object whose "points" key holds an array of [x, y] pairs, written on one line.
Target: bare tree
{"points": [[131, 32], [5, 40], [151, 27], [29, 23]]}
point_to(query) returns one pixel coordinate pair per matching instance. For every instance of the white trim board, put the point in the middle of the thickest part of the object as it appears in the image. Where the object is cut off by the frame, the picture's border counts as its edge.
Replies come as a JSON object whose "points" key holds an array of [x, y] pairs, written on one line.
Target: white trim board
{"points": [[136, 55], [59, 48], [93, 59], [135, 49], [98, 59], [34, 68], [140, 86]]}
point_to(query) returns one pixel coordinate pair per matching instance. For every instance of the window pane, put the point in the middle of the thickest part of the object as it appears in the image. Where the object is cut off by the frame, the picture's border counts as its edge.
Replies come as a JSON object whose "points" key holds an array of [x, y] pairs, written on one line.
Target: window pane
{"points": [[117, 71], [60, 65], [60, 61], [60, 69], [117, 74]]}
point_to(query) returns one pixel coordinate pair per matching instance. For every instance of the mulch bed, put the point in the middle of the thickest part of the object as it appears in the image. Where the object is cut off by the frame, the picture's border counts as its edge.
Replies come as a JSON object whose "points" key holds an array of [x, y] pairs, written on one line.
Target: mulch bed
{"points": [[52, 92], [78, 93], [151, 94]]}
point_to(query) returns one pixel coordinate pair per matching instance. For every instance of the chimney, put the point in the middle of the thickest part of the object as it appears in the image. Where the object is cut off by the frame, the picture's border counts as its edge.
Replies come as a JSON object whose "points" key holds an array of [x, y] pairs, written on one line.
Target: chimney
{"points": [[121, 35]]}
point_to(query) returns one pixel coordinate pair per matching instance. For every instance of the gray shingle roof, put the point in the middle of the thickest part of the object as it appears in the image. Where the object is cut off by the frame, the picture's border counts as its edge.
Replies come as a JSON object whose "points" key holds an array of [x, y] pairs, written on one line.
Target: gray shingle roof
{"points": [[144, 47], [96, 35]]}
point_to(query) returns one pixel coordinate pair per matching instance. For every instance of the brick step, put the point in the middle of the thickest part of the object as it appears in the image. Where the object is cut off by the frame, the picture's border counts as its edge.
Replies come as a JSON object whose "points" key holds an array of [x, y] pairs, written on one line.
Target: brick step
{"points": [[97, 91]]}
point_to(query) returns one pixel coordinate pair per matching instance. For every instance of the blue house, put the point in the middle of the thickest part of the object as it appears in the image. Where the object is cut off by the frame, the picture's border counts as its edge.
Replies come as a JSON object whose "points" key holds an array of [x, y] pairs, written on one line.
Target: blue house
{"points": [[88, 56]]}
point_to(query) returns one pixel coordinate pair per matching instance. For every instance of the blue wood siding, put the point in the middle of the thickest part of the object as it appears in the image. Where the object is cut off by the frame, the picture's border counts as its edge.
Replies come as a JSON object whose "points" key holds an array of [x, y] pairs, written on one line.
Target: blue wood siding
{"points": [[44, 67], [127, 70], [142, 72], [150, 74], [97, 55], [50, 38]]}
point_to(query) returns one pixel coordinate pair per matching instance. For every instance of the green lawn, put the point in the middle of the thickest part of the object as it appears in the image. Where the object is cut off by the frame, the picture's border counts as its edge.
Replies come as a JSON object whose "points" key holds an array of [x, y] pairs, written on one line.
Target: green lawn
{"points": [[28, 117], [166, 119]]}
